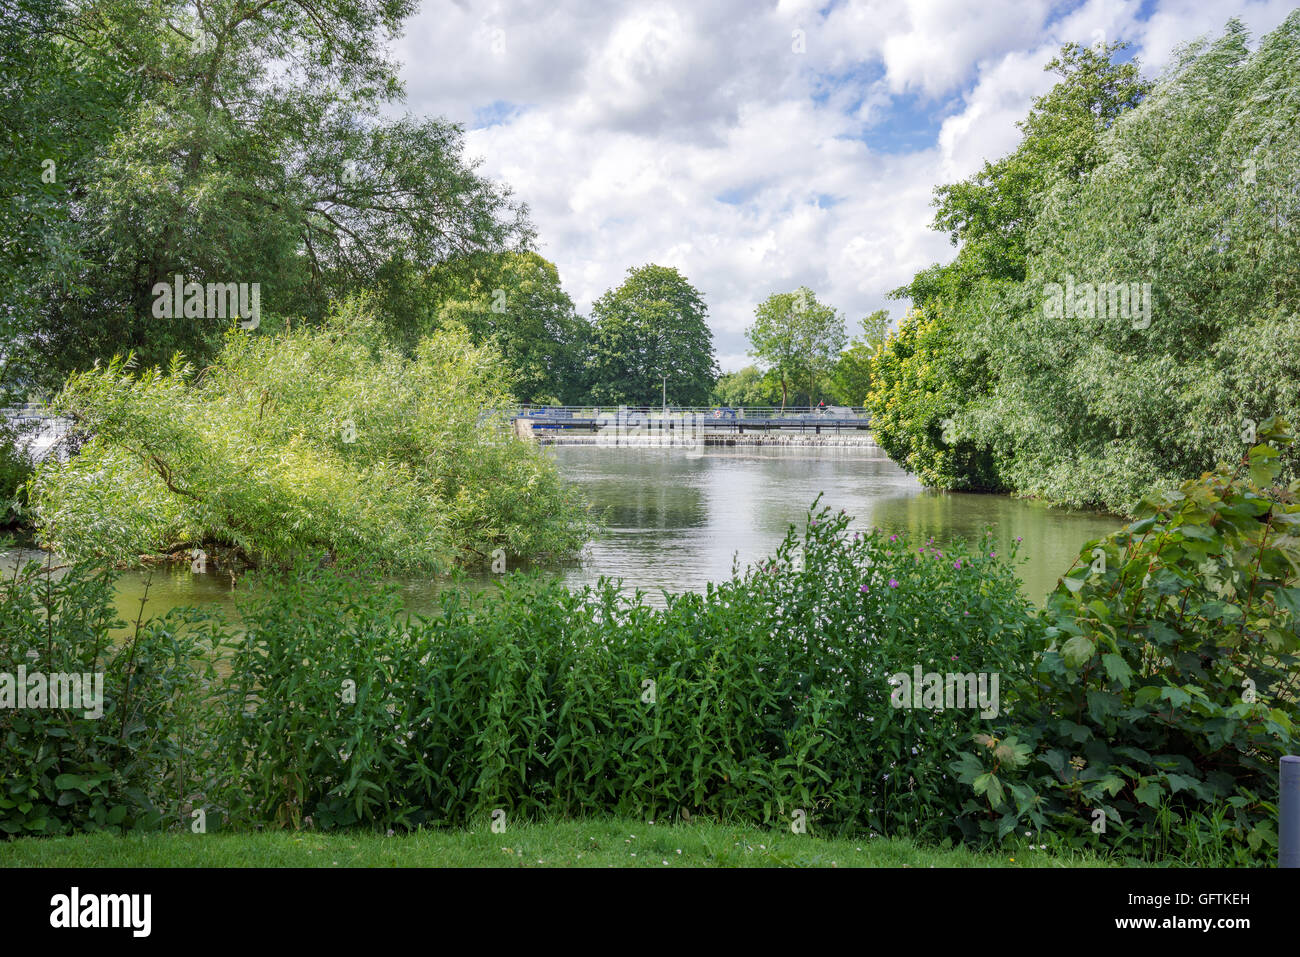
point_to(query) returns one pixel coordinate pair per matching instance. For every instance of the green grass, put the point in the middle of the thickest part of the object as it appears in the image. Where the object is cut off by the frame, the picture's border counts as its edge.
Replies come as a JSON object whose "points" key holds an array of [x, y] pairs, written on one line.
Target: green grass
{"points": [[606, 842]]}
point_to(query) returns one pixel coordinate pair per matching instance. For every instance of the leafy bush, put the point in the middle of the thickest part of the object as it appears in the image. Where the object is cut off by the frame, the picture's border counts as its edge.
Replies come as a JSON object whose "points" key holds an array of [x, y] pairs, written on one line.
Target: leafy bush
{"points": [[1164, 695], [134, 766], [319, 443], [770, 693]]}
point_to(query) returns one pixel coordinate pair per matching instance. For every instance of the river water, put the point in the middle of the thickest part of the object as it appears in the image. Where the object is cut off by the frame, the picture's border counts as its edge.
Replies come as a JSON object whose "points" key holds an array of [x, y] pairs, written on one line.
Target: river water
{"points": [[674, 521]]}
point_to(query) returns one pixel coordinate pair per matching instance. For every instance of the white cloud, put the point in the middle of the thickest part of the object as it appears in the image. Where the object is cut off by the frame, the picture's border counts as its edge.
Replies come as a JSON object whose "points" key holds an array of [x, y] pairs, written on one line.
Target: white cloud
{"points": [[694, 135]]}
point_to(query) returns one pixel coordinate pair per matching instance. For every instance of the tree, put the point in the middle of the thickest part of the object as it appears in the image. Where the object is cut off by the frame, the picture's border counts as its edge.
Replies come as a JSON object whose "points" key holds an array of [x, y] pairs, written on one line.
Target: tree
{"points": [[797, 337], [991, 213], [747, 386], [992, 216], [851, 377], [516, 302], [650, 327], [249, 144]]}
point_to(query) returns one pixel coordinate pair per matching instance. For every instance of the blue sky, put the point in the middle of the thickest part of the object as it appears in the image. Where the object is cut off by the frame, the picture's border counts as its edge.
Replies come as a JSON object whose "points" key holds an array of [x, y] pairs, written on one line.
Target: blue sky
{"points": [[758, 147]]}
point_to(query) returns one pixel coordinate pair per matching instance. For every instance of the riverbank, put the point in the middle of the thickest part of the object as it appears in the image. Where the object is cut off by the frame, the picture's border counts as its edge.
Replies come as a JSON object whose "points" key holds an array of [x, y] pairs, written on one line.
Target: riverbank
{"points": [[598, 842]]}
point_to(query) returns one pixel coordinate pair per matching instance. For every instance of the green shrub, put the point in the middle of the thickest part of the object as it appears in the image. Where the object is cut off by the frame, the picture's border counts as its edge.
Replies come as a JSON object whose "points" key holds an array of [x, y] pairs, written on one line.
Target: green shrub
{"points": [[320, 443], [1164, 695], [135, 765], [770, 693]]}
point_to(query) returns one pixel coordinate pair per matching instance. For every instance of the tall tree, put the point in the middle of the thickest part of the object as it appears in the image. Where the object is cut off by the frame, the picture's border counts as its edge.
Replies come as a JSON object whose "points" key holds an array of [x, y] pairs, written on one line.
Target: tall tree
{"points": [[515, 300], [653, 326], [797, 337], [251, 145]]}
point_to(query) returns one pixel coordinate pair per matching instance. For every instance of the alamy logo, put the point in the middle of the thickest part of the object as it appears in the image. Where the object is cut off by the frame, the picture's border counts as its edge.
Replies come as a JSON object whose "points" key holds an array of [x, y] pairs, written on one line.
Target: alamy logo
{"points": [[683, 430], [1116, 300], [102, 910], [60, 690], [213, 300], [933, 691]]}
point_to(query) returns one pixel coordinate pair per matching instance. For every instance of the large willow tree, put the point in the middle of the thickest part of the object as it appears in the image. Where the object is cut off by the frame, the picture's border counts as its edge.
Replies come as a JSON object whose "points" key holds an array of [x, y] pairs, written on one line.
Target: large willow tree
{"points": [[1192, 190], [225, 141]]}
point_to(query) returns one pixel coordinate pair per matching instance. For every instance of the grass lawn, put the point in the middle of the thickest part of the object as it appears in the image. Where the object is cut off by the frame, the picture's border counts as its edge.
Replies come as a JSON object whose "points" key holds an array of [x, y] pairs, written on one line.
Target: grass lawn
{"points": [[608, 842]]}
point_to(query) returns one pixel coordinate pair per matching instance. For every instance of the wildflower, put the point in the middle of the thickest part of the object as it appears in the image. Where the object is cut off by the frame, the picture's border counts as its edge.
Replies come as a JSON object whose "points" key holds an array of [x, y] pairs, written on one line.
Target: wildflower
{"points": [[893, 583], [863, 589], [893, 538], [957, 564]]}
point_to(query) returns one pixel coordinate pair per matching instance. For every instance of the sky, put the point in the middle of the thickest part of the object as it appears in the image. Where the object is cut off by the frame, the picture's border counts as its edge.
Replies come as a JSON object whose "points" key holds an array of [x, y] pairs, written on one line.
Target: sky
{"points": [[758, 147]]}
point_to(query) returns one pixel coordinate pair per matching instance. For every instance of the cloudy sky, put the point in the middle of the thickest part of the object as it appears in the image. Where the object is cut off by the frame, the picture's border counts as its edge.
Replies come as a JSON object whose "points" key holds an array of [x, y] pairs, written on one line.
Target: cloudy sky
{"points": [[758, 146]]}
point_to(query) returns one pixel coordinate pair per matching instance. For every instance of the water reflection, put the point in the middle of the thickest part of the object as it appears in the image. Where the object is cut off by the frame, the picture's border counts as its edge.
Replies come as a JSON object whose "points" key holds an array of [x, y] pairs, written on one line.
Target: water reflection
{"points": [[674, 521]]}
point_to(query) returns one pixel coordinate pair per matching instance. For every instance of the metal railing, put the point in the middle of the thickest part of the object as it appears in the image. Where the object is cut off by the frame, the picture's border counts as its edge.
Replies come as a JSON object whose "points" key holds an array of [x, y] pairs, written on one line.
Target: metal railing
{"points": [[36, 431], [748, 413], [739, 419]]}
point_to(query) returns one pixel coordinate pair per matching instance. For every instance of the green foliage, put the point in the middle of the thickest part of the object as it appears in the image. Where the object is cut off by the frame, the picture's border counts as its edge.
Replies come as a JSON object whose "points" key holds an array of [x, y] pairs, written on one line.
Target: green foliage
{"points": [[320, 443], [1197, 196], [850, 379], [653, 325], [798, 339], [515, 302], [747, 386], [133, 767], [919, 382], [15, 472], [1187, 186], [770, 693], [225, 142], [991, 213], [1165, 688]]}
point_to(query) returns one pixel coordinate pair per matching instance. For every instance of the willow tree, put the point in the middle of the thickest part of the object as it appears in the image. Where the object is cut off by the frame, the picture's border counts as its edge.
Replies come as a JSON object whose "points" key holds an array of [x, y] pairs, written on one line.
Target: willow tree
{"points": [[248, 142]]}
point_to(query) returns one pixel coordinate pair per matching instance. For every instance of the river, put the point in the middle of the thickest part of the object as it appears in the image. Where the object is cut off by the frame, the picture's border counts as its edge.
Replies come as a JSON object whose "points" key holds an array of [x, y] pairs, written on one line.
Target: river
{"points": [[674, 521]]}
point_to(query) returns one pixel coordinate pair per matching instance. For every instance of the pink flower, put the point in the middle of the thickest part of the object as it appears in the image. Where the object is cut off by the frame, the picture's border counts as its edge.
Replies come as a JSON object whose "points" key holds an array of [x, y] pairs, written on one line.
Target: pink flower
{"points": [[863, 589], [957, 564], [893, 583], [893, 538]]}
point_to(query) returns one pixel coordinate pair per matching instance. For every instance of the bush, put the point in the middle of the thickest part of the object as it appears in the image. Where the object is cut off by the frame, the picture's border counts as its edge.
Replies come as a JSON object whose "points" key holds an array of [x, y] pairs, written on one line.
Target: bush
{"points": [[320, 444], [1164, 695], [767, 694], [134, 766]]}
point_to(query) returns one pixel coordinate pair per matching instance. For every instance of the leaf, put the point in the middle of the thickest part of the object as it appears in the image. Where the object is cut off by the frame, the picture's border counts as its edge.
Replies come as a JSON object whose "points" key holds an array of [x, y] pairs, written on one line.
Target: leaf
{"points": [[67, 782], [1077, 651], [1148, 792], [1117, 668]]}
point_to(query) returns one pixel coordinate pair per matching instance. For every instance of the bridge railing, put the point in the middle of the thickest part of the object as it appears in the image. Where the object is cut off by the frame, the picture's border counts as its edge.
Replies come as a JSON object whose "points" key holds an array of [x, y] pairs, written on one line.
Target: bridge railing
{"points": [[748, 413], [36, 431]]}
